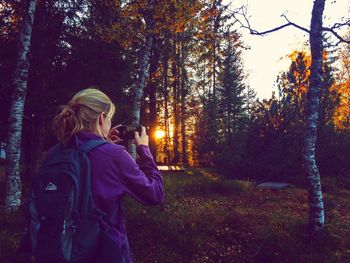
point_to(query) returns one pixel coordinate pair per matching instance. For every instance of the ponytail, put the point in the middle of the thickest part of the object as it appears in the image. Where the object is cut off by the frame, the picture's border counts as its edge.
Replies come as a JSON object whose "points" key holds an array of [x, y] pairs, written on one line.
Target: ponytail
{"points": [[81, 113]]}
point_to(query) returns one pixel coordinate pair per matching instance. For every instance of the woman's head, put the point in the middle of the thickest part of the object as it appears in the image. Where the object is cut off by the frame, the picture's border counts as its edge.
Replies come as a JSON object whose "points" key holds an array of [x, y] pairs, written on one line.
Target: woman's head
{"points": [[90, 109]]}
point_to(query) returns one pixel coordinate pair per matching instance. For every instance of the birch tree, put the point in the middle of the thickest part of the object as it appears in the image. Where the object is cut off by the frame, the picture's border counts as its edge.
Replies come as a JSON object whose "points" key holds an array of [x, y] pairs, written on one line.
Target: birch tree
{"points": [[316, 207], [144, 64], [315, 200], [13, 145], [143, 71]]}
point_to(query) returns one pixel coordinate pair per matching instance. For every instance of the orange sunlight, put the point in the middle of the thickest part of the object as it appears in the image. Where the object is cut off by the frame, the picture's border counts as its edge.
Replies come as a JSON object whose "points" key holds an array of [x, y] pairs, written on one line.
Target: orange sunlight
{"points": [[159, 134]]}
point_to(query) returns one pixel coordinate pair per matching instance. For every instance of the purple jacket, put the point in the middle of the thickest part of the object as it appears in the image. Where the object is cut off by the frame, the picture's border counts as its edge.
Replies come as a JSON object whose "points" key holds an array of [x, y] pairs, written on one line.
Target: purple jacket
{"points": [[115, 173]]}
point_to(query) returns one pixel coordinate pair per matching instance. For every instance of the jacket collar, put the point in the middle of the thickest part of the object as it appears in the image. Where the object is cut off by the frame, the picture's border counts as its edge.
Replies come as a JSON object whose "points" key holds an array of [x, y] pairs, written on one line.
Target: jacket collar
{"points": [[88, 135]]}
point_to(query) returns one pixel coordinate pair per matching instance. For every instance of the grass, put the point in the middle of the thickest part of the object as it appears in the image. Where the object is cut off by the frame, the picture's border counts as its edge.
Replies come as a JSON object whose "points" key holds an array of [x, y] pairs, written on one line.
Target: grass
{"points": [[10, 233], [206, 219]]}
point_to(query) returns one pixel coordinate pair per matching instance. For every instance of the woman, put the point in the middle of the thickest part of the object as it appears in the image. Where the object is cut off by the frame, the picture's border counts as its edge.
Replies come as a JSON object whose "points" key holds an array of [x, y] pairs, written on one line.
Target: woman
{"points": [[113, 171]]}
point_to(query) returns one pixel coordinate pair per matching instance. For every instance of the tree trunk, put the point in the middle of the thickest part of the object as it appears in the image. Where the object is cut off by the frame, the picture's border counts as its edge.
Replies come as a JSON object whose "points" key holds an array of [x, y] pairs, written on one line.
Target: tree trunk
{"points": [[316, 208], [144, 70], [166, 112], [27, 144], [175, 102], [13, 146], [33, 146], [167, 130], [152, 91], [183, 107], [215, 32], [38, 145], [214, 63]]}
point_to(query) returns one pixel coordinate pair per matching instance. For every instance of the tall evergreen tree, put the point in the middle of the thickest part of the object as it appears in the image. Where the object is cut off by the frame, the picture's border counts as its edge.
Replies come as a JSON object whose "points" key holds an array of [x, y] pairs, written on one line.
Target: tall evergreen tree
{"points": [[232, 101], [211, 36], [232, 97]]}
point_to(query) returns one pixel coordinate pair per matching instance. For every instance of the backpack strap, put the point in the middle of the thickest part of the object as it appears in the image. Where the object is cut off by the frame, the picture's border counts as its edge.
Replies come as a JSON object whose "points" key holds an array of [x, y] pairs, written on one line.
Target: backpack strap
{"points": [[88, 146], [86, 201], [74, 143]]}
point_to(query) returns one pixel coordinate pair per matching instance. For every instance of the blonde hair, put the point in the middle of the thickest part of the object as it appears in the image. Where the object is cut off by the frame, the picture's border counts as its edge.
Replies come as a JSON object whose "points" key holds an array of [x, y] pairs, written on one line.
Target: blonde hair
{"points": [[82, 113]]}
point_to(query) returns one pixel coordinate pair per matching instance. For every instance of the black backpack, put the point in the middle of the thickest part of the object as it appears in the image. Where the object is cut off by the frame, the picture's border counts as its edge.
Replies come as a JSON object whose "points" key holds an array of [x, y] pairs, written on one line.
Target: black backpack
{"points": [[63, 224]]}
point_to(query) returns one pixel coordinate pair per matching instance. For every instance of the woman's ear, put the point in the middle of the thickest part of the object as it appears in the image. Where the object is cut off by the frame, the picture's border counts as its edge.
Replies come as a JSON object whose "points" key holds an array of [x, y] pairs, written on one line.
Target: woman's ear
{"points": [[100, 119]]}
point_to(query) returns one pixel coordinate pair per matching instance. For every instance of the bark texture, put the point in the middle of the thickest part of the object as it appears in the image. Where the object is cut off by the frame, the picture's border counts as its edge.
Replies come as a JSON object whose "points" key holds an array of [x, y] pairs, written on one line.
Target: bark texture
{"points": [[13, 146], [144, 71], [316, 207], [144, 66]]}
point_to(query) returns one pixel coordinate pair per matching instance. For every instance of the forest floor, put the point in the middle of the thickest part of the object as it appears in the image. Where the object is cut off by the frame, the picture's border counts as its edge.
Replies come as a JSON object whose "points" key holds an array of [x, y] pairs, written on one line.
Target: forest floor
{"points": [[208, 219]]}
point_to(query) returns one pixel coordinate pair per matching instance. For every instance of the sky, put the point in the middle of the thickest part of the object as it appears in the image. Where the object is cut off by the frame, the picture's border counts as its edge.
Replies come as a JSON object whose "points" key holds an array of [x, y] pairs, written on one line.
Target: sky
{"points": [[267, 56]]}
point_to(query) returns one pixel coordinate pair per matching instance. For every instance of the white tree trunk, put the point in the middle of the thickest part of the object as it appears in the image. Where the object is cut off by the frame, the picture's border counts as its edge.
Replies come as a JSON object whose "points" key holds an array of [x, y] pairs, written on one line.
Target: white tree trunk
{"points": [[13, 146], [144, 71], [316, 208]]}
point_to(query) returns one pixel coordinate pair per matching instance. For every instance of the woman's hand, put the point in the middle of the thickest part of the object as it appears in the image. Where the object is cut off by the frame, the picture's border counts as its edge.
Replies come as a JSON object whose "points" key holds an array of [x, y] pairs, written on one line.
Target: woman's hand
{"points": [[141, 139], [113, 134]]}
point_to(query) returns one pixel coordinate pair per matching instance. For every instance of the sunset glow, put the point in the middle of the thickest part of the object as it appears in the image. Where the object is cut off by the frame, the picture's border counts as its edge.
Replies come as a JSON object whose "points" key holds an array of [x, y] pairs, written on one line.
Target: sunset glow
{"points": [[159, 134]]}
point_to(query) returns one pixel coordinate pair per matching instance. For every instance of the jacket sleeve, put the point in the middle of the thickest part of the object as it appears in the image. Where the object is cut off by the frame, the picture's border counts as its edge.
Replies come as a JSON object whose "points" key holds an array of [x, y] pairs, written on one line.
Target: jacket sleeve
{"points": [[142, 181]]}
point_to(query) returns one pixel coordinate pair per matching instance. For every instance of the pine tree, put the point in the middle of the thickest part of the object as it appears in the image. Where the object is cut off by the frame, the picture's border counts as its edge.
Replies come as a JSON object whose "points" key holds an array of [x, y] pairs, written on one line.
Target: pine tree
{"points": [[232, 97]]}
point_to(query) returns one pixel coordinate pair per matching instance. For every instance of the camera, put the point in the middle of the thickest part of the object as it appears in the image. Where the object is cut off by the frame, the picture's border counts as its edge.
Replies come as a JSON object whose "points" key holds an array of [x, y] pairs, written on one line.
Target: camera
{"points": [[127, 132]]}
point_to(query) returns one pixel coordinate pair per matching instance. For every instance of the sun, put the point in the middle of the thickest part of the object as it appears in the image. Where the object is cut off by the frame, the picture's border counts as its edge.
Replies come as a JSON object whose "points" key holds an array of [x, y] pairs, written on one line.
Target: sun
{"points": [[159, 134]]}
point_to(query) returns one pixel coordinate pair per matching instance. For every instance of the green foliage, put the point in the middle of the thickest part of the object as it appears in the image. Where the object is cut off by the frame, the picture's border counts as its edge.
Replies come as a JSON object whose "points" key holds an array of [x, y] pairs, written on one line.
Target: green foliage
{"points": [[68, 52], [221, 130], [277, 127]]}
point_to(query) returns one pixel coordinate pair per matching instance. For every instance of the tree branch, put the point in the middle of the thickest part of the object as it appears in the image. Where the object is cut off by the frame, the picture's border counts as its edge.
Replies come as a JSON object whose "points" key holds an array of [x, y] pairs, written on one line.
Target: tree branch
{"points": [[339, 25], [242, 11], [295, 25], [334, 33]]}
